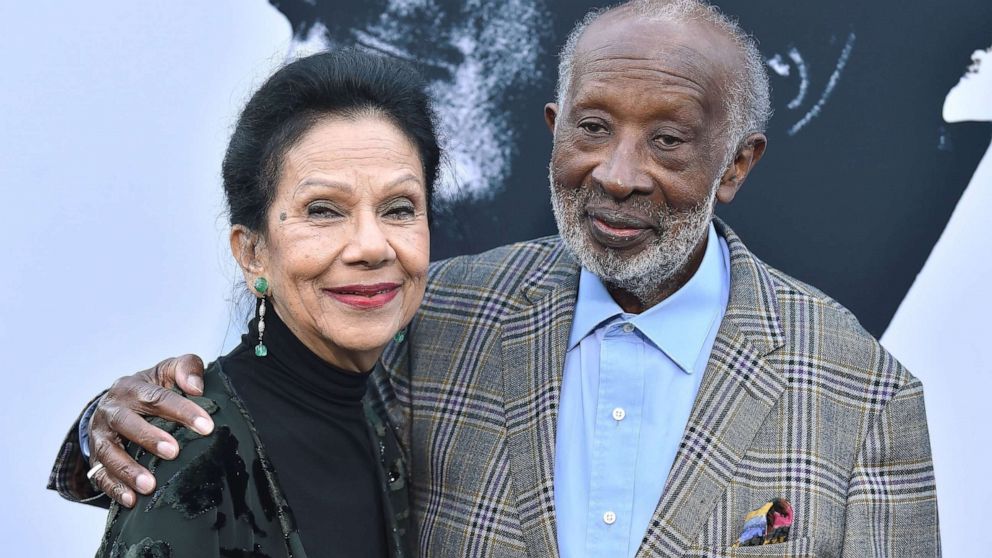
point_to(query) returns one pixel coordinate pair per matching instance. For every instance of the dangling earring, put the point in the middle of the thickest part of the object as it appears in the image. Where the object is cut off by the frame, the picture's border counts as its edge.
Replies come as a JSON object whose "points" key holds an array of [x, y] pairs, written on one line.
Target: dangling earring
{"points": [[261, 286], [400, 336]]}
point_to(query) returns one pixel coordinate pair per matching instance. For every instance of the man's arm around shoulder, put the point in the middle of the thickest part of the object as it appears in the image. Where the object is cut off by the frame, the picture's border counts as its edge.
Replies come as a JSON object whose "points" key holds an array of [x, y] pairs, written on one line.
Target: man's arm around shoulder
{"points": [[119, 416]]}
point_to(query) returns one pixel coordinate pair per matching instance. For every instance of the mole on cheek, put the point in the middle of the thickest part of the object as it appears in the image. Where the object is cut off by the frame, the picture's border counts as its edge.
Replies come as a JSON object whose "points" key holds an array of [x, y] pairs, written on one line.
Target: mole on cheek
{"points": [[282, 216]]}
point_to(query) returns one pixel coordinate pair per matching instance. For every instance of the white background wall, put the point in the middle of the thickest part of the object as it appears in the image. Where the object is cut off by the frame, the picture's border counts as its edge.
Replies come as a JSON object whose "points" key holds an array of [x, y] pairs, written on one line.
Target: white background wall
{"points": [[113, 121], [941, 333]]}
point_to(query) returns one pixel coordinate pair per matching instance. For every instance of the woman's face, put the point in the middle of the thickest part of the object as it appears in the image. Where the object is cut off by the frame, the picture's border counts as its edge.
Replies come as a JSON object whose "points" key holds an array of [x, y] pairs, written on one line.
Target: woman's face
{"points": [[346, 243]]}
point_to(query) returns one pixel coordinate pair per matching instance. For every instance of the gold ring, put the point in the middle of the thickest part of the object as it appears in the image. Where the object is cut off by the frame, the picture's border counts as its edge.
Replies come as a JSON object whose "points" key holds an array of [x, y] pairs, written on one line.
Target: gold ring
{"points": [[92, 472]]}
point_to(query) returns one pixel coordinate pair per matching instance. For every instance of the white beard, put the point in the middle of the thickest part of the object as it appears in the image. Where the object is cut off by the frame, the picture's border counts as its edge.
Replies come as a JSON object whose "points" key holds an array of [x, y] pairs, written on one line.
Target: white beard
{"points": [[642, 274]]}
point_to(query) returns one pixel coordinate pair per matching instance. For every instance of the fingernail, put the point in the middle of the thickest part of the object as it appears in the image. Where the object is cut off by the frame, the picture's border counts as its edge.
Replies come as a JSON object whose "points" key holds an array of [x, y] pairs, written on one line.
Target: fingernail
{"points": [[196, 383], [166, 450], [202, 425], [127, 499], [145, 483]]}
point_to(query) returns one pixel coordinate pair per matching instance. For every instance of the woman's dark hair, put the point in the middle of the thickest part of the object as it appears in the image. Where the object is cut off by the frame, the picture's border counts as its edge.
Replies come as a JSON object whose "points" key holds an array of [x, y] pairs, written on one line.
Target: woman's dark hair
{"points": [[346, 83]]}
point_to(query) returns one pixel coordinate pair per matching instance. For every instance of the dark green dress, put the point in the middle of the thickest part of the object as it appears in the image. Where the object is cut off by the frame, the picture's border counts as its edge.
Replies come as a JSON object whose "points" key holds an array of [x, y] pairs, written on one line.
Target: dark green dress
{"points": [[221, 496]]}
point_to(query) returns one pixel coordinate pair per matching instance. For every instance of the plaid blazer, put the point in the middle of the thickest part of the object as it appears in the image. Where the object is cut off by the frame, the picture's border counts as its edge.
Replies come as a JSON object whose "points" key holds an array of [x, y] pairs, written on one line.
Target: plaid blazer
{"points": [[797, 401]]}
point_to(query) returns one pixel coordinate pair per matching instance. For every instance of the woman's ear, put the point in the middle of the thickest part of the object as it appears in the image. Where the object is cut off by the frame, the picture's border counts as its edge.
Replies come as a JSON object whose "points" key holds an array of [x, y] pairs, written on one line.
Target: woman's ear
{"points": [[248, 249]]}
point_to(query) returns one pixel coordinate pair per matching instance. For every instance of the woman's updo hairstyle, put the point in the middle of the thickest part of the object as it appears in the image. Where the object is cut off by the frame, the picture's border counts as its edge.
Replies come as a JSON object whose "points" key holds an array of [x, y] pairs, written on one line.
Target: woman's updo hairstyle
{"points": [[347, 83]]}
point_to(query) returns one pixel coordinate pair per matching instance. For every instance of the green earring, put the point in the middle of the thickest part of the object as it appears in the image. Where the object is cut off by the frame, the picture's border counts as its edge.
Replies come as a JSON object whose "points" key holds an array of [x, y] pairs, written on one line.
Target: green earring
{"points": [[261, 286], [400, 336]]}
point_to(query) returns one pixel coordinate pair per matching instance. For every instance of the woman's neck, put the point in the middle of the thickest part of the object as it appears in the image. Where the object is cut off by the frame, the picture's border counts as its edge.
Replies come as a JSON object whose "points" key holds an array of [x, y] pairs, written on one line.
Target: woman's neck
{"points": [[356, 361]]}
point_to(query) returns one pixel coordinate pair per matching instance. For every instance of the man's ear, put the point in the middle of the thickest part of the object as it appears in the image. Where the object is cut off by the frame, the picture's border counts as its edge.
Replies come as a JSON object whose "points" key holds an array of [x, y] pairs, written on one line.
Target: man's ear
{"points": [[550, 115], [747, 156], [248, 250]]}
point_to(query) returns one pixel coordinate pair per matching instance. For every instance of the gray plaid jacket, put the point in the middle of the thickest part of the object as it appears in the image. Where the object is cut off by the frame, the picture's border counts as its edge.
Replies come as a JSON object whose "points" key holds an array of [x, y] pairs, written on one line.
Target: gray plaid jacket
{"points": [[797, 401]]}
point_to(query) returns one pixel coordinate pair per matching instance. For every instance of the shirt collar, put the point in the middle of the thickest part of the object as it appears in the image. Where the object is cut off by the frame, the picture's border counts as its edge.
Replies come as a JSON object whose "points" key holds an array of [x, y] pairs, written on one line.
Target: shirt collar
{"points": [[679, 325]]}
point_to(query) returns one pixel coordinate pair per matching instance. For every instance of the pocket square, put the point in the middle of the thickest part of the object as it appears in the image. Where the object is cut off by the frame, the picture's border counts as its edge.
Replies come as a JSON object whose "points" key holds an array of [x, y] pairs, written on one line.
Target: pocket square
{"points": [[768, 524]]}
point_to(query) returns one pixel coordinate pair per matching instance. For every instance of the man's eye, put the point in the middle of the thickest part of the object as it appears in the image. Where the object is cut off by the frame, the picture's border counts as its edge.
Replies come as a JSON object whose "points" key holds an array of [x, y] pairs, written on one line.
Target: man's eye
{"points": [[593, 127], [666, 140], [322, 210]]}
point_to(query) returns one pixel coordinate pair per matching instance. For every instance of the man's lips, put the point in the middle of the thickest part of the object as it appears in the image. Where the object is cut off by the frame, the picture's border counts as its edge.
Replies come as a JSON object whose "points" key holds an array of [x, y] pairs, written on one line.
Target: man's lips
{"points": [[617, 230], [365, 297], [621, 231]]}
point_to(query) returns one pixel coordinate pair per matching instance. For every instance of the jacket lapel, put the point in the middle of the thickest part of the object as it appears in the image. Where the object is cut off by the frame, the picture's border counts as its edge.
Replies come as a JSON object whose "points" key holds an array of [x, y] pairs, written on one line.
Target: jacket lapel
{"points": [[534, 341], [738, 391]]}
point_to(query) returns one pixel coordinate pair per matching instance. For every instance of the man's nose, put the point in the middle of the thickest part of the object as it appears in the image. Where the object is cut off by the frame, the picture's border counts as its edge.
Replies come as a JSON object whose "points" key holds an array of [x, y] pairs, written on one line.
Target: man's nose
{"points": [[369, 244], [620, 173]]}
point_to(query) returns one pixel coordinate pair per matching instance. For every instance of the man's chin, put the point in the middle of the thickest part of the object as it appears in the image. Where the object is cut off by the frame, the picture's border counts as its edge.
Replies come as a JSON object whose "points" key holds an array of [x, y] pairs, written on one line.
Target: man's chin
{"points": [[612, 265], [640, 268]]}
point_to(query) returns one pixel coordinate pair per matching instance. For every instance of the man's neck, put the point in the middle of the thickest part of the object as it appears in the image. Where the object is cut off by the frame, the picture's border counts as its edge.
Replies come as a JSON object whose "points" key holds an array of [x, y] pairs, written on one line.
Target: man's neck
{"points": [[633, 304]]}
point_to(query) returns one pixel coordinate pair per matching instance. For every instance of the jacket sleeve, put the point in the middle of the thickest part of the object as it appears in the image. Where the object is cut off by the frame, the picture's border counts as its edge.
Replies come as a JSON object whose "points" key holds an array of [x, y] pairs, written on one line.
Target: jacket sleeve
{"points": [[217, 498], [892, 498], [68, 475], [186, 515]]}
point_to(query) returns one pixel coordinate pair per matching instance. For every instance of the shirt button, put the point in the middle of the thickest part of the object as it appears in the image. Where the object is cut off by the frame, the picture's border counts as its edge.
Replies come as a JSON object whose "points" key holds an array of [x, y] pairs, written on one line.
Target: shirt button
{"points": [[609, 518], [628, 327], [618, 414]]}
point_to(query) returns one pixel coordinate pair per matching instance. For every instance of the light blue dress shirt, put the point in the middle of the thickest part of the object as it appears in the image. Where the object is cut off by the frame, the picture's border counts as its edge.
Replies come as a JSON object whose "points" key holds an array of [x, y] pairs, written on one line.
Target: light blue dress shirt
{"points": [[629, 384]]}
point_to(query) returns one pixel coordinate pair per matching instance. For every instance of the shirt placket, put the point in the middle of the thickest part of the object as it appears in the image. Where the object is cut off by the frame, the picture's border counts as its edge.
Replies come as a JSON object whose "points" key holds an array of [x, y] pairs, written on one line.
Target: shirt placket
{"points": [[615, 442]]}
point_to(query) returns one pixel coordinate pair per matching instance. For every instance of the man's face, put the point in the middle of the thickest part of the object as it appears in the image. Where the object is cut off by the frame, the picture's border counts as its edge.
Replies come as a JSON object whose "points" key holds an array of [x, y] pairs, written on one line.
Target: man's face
{"points": [[475, 54], [639, 149]]}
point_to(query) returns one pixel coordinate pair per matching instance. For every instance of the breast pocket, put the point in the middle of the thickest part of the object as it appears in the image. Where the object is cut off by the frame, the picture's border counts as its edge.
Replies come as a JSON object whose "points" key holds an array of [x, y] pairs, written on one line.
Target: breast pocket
{"points": [[798, 548]]}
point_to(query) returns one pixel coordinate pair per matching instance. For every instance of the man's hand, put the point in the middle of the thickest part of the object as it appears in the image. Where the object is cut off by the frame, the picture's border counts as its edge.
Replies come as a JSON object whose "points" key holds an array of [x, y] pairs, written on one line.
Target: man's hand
{"points": [[120, 415]]}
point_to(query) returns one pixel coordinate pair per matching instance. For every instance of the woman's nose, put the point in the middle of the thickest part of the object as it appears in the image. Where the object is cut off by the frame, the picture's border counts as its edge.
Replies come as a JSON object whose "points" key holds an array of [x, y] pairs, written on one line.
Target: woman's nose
{"points": [[369, 244]]}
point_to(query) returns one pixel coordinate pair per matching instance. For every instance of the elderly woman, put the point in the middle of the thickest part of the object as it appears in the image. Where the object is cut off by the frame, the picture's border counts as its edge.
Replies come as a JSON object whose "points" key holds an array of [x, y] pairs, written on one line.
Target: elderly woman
{"points": [[328, 178]]}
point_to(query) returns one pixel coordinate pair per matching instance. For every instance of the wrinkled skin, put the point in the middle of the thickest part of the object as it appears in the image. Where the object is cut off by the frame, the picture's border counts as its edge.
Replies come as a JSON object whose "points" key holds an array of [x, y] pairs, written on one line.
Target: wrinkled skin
{"points": [[350, 210], [641, 133], [640, 152], [120, 415]]}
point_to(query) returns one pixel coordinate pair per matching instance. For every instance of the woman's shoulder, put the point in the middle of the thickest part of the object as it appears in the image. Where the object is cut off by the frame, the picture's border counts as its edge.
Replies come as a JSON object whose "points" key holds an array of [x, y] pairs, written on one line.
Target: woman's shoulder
{"points": [[217, 488], [232, 423], [231, 449]]}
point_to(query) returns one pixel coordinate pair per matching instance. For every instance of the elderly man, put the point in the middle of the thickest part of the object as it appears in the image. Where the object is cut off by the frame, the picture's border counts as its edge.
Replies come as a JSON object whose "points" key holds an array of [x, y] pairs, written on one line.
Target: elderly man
{"points": [[642, 384]]}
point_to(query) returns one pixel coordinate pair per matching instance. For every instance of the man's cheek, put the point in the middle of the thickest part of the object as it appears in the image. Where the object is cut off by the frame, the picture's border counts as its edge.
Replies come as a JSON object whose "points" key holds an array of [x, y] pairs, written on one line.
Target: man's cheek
{"points": [[571, 172]]}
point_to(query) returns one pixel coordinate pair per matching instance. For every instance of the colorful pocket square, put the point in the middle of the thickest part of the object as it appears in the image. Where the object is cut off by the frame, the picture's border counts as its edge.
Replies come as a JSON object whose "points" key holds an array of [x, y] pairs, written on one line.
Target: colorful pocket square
{"points": [[768, 524]]}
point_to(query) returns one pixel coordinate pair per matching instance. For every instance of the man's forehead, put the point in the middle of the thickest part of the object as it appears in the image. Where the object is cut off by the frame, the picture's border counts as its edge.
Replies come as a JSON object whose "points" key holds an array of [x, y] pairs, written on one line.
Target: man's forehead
{"points": [[693, 51]]}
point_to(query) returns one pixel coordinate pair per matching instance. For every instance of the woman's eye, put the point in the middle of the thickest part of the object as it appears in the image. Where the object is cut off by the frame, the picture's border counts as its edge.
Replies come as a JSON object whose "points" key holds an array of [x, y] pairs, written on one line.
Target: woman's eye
{"points": [[401, 211], [666, 140], [322, 210]]}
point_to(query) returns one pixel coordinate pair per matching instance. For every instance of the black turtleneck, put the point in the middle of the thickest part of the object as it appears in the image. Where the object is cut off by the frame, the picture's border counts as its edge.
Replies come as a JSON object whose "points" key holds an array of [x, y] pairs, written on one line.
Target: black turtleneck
{"points": [[309, 417]]}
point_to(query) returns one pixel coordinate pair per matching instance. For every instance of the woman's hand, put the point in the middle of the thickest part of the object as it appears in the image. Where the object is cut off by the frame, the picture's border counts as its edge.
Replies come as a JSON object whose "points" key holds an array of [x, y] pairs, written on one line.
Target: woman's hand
{"points": [[120, 413]]}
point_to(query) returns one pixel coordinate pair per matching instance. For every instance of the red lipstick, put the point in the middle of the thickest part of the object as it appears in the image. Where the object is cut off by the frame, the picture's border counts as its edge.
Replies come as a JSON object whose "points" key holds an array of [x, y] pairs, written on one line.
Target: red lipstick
{"points": [[365, 297]]}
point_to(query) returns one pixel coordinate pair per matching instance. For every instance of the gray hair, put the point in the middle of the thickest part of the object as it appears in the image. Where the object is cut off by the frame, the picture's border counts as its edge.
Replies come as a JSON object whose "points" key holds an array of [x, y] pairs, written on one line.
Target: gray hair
{"points": [[747, 101]]}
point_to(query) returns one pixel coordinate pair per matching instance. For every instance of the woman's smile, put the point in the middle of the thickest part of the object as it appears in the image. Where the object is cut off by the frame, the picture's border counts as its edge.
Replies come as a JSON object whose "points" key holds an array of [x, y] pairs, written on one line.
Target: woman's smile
{"points": [[365, 297]]}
